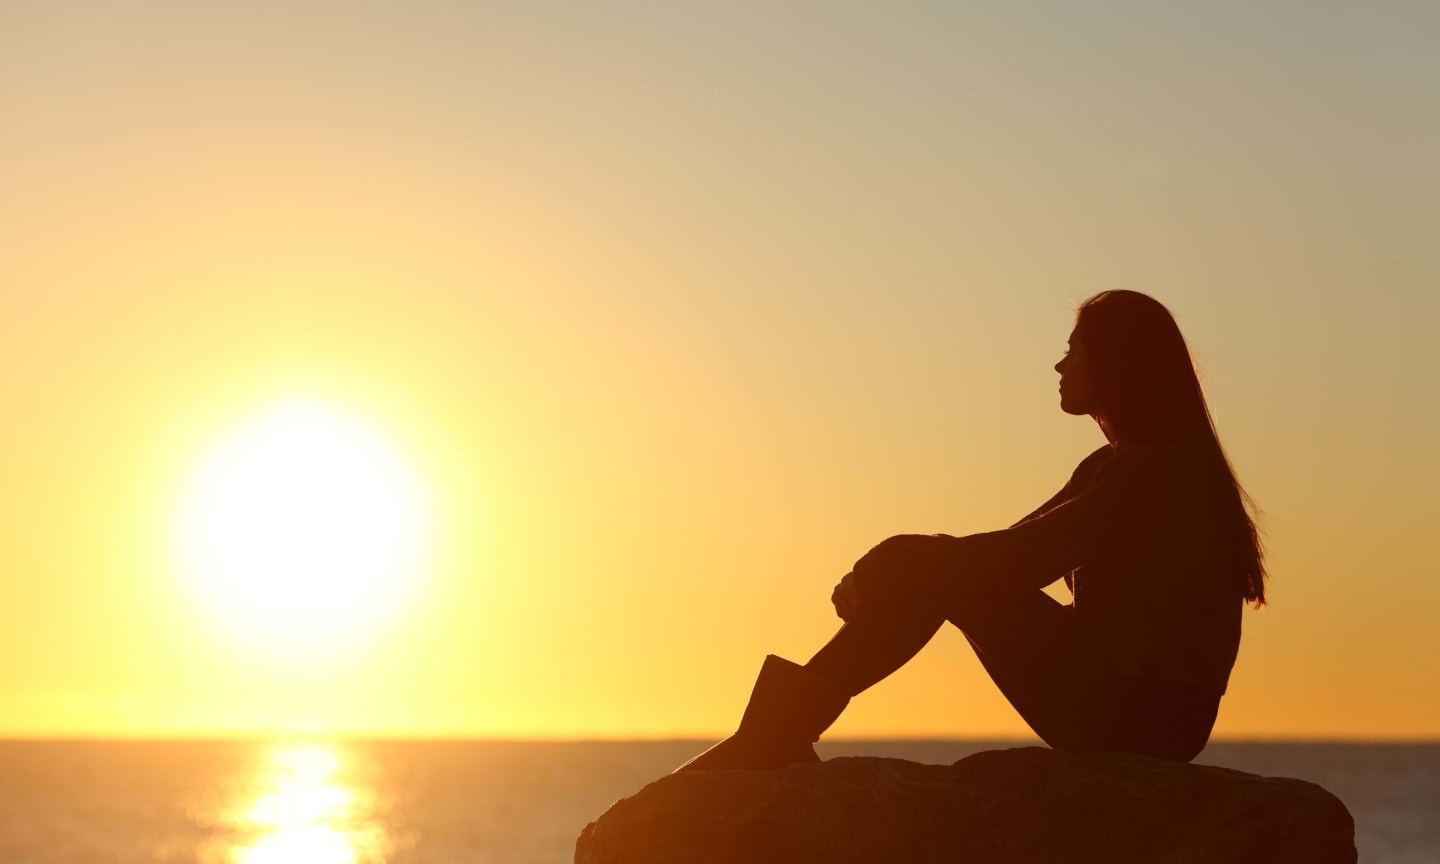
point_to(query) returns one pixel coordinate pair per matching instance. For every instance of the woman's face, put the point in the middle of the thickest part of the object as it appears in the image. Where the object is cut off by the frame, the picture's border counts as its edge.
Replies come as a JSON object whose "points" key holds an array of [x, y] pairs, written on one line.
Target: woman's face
{"points": [[1077, 394]]}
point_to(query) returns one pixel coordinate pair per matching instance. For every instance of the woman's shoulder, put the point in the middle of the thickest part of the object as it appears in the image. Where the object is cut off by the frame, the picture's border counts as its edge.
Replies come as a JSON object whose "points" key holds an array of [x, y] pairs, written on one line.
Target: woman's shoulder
{"points": [[1159, 455], [1158, 464], [1090, 466]]}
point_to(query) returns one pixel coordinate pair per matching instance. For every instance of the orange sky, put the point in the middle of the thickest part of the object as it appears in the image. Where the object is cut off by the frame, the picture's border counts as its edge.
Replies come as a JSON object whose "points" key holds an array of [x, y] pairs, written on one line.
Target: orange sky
{"points": [[675, 310]]}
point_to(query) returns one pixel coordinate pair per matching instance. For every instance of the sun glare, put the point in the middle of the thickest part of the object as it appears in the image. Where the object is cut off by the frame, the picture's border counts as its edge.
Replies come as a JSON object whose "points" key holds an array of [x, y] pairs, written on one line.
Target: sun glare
{"points": [[302, 529], [305, 813]]}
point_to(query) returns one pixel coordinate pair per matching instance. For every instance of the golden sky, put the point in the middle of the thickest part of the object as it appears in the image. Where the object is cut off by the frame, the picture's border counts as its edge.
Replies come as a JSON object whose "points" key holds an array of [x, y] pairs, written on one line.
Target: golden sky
{"points": [[674, 310]]}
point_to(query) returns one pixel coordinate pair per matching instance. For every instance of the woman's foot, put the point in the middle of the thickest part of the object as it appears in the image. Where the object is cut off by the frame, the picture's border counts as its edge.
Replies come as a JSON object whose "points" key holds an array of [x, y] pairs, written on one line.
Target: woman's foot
{"points": [[746, 754], [789, 708]]}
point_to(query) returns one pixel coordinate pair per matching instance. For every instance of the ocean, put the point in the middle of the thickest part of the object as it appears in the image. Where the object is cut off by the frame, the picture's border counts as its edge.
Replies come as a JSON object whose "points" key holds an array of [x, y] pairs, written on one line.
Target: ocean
{"points": [[503, 802]]}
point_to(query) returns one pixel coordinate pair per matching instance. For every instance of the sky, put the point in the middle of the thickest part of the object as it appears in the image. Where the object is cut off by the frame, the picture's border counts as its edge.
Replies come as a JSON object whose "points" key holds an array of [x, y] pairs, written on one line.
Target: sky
{"points": [[672, 310]]}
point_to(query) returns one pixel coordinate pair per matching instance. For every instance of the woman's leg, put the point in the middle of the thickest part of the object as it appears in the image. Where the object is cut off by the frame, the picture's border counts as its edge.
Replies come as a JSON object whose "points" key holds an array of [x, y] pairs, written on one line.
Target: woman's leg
{"points": [[1034, 650], [1032, 647], [865, 650], [1069, 694], [1021, 637]]}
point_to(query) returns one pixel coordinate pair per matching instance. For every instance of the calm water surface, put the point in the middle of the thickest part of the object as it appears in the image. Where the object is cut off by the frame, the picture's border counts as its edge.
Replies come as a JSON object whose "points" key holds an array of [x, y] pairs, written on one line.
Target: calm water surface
{"points": [[477, 802]]}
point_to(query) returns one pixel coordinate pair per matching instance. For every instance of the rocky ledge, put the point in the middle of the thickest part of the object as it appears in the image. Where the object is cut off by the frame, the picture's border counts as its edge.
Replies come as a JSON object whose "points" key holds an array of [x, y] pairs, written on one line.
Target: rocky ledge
{"points": [[997, 807]]}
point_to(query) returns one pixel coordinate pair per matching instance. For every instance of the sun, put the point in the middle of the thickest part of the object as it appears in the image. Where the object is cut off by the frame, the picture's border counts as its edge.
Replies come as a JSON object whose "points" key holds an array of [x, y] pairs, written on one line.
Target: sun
{"points": [[302, 530]]}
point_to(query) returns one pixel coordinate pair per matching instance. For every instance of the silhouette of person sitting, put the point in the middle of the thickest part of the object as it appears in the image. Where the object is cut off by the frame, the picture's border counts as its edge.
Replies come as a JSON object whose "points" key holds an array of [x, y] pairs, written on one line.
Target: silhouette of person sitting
{"points": [[1153, 535]]}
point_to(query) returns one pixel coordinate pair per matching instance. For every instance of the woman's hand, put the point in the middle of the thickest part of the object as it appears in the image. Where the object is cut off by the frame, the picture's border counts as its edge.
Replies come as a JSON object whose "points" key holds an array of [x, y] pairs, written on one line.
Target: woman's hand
{"points": [[900, 551], [901, 565]]}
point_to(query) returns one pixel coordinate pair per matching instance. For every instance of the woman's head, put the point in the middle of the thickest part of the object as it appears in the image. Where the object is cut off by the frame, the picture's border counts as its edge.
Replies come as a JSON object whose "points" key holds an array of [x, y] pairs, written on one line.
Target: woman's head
{"points": [[1129, 367], [1140, 380]]}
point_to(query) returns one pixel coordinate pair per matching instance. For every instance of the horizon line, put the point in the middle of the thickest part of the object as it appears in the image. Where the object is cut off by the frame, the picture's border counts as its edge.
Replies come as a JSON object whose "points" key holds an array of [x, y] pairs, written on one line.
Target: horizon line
{"points": [[262, 737]]}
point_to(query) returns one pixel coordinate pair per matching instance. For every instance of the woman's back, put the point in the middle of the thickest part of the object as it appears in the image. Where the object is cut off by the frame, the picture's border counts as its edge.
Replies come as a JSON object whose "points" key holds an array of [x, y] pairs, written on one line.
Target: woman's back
{"points": [[1160, 599]]}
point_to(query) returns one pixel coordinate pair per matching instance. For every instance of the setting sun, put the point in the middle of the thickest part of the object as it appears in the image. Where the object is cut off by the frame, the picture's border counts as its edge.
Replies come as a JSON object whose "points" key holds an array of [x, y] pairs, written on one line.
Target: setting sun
{"points": [[302, 529]]}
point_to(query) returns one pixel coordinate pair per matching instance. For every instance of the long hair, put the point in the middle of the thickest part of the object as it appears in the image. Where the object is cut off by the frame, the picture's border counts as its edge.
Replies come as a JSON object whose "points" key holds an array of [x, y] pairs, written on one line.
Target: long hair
{"points": [[1146, 389]]}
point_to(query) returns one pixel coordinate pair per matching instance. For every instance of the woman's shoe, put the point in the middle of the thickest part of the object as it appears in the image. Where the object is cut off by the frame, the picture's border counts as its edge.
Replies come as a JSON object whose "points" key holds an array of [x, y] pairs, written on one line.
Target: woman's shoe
{"points": [[788, 710]]}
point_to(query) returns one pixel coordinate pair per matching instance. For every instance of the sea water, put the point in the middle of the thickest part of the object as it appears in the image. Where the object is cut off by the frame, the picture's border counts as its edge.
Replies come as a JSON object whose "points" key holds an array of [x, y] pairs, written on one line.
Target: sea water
{"points": [[502, 802]]}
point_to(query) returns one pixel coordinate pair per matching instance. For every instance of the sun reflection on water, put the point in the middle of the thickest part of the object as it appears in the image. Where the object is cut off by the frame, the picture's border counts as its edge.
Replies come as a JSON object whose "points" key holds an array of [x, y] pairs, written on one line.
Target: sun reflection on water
{"points": [[305, 814]]}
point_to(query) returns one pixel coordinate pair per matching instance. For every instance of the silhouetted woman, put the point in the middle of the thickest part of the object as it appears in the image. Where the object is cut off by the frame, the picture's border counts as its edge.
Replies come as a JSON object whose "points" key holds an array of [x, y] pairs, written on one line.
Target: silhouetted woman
{"points": [[1152, 534]]}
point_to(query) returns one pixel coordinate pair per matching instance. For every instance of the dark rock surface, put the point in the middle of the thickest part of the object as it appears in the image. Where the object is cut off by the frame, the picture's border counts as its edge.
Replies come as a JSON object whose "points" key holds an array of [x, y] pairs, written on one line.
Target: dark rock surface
{"points": [[997, 807]]}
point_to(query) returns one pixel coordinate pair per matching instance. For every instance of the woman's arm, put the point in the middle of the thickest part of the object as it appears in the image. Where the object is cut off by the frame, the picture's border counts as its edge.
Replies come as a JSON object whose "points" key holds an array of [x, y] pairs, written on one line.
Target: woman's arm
{"points": [[1119, 508], [1113, 510], [1079, 479], [905, 549]]}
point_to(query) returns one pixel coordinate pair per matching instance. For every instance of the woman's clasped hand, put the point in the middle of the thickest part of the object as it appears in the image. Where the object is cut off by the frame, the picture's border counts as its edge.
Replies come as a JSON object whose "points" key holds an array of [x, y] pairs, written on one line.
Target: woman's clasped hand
{"points": [[898, 567]]}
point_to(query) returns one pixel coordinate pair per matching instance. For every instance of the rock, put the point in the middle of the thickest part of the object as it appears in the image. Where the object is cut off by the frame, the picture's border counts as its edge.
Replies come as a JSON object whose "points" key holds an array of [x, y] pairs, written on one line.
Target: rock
{"points": [[997, 807]]}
